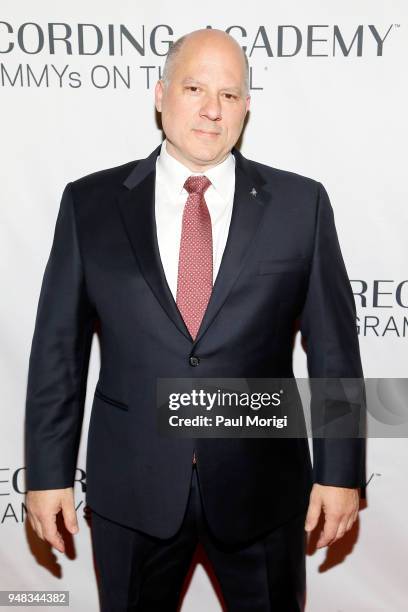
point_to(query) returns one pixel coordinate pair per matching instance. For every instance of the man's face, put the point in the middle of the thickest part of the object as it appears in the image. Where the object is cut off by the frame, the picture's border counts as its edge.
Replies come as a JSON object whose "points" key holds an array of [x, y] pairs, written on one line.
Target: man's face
{"points": [[204, 106]]}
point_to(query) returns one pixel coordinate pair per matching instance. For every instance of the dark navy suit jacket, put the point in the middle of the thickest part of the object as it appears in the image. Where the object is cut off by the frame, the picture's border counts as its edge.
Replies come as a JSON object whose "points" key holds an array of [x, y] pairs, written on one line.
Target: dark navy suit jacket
{"points": [[282, 267]]}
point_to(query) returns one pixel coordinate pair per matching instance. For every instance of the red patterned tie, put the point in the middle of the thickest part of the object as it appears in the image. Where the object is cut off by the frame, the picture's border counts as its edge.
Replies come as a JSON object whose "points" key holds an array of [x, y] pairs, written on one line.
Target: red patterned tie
{"points": [[195, 267]]}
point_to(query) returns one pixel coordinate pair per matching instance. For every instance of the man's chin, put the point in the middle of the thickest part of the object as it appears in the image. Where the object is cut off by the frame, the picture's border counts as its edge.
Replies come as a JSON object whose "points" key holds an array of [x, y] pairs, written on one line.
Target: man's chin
{"points": [[199, 154], [205, 154]]}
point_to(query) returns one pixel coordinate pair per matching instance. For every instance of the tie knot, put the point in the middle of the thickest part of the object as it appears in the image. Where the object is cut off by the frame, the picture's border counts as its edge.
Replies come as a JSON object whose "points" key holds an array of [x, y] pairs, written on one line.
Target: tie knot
{"points": [[197, 184]]}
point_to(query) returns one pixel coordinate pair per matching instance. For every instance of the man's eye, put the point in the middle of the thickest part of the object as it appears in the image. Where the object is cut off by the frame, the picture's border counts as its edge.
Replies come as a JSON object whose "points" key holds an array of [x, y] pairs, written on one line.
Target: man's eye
{"points": [[231, 96], [193, 88]]}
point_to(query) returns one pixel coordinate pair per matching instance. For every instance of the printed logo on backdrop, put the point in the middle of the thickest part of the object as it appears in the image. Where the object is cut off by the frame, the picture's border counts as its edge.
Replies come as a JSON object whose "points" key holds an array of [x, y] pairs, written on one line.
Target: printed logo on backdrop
{"points": [[382, 306], [90, 55], [12, 494]]}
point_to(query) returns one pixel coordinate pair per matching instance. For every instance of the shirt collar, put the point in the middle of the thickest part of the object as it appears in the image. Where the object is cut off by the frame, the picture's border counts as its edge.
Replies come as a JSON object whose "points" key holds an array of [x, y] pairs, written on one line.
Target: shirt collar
{"points": [[174, 174]]}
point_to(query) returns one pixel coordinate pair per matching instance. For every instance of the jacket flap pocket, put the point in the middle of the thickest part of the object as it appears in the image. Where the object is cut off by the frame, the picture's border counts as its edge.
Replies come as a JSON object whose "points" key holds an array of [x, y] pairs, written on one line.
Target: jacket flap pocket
{"points": [[110, 400], [272, 266]]}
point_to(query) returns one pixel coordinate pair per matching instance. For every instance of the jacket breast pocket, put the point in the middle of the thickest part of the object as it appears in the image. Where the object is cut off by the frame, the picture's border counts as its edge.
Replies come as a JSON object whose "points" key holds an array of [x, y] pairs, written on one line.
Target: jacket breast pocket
{"points": [[275, 266], [110, 400]]}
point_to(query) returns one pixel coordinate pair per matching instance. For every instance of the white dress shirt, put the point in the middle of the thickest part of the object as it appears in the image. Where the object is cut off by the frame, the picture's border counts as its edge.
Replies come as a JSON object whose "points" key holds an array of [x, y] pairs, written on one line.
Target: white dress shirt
{"points": [[170, 198]]}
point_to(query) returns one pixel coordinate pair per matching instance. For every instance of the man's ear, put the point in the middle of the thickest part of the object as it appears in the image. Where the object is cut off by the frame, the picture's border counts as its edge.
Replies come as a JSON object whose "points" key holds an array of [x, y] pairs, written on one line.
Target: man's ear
{"points": [[248, 103], [158, 95]]}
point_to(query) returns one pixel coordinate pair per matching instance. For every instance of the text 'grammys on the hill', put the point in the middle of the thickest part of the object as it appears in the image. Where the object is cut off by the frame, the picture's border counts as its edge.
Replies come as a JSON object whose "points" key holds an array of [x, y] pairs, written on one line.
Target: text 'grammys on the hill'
{"points": [[120, 56]]}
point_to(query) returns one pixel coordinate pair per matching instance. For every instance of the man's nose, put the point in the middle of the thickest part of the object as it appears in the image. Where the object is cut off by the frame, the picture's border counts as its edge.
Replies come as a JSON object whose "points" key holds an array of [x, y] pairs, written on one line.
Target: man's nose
{"points": [[211, 108]]}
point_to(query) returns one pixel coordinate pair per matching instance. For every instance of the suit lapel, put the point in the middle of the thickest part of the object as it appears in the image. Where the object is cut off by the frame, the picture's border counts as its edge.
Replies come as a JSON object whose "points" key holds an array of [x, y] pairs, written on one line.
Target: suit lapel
{"points": [[247, 212], [137, 206], [137, 209]]}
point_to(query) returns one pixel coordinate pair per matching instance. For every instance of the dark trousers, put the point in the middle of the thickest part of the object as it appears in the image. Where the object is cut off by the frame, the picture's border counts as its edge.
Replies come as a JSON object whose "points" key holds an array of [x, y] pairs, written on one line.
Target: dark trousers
{"points": [[140, 573]]}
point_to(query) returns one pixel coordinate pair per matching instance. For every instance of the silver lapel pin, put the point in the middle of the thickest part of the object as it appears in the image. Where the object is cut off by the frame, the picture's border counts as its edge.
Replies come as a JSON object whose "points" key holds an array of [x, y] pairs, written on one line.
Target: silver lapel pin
{"points": [[253, 192]]}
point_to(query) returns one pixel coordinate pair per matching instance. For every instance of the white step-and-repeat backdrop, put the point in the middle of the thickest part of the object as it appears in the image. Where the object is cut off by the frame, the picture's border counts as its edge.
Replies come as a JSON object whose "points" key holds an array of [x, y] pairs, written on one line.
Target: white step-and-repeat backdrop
{"points": [[329, 100]]}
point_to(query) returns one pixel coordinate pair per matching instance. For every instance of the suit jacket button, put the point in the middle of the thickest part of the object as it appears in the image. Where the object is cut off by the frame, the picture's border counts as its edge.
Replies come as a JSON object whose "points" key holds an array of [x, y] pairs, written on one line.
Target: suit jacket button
{"points": [[194, 361]]}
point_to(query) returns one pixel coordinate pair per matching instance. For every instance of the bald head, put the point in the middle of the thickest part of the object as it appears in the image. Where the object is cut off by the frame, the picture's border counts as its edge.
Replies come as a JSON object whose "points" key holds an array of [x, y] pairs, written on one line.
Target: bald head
{"points": [[191, 43], [203, 98]]}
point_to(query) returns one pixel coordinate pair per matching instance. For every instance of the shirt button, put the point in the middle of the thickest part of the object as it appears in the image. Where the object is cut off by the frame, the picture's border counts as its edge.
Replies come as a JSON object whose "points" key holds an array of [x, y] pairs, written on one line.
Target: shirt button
{"points": [[194, 361]]}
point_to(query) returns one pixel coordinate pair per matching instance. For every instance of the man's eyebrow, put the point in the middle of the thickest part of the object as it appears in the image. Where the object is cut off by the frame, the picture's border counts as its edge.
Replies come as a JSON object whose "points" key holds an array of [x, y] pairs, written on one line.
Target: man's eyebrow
{"points": [[189, 80], [197, 82]]}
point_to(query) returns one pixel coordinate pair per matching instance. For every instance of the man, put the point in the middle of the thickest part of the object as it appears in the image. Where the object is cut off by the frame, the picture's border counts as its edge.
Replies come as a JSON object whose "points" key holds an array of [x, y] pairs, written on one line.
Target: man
{"points": [[194, 262]]}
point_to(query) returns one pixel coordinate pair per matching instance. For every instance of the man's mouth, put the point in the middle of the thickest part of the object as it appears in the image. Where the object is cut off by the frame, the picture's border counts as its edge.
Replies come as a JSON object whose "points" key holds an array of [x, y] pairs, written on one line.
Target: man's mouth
{"points": [[207, 133]]}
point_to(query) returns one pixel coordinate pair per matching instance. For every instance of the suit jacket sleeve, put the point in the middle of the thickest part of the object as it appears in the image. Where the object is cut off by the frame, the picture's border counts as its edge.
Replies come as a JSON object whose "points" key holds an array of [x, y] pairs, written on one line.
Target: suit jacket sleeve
{"points": [[58, 363], [328, 324]]}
